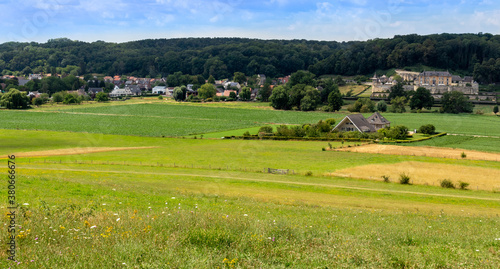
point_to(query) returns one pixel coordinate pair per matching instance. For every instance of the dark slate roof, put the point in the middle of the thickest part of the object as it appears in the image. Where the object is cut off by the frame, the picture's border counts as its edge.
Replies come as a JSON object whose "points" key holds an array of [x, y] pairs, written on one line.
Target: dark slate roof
{"points": [[456, 78], [134, 89], [376, 118], [361, 123], [436, 73], [95, 90], [468, 79]]}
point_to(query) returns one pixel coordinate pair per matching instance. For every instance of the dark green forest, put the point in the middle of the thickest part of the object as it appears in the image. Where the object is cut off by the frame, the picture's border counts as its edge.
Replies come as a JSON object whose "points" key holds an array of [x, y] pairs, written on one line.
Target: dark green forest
{"points": [[465, 54]]}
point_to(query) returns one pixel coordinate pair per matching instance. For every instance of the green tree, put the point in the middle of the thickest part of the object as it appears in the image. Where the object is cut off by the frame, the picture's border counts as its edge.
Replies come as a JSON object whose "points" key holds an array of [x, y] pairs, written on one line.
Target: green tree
{"points": [[397, 91], [207, 90], [422, 98], [178, 94], [14, 99], [302, 77], [279, 98], [335, 101], [38, 101], [232, 95], [264, 92], [245, 94], [456, 102], [339, 81], [101, 97], [363, 105], [71, 98], [58, 97], [211, 80], [495, 109], [311, 100], [398, 104], [382, 106], [239, 77]]}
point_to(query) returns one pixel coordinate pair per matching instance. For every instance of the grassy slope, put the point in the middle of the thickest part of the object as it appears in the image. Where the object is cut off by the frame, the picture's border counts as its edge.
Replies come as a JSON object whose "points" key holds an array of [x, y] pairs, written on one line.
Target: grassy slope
{"points": [[235, 217]]}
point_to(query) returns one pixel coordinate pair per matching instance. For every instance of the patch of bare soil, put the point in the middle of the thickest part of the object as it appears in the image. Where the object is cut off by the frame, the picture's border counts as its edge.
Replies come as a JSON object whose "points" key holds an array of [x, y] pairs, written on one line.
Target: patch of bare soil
{"points": [[73, 151], [424, 151]]}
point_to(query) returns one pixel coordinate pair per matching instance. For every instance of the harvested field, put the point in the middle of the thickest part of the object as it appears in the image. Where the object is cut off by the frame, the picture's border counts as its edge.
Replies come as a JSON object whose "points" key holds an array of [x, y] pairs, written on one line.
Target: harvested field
{"points": [[73, 151], [428, 174], [424, 151]]}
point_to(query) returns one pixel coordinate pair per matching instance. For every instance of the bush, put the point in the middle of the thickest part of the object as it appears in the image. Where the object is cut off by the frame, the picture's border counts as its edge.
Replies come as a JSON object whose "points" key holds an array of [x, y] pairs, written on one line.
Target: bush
{"points": [[266, 129], [209, 100], [404, 179], [309, 173], [160, 97], [247, 133], [446, 183], [463, 185], [463, 155], [37, 101], [386, 179], [427, 129]]}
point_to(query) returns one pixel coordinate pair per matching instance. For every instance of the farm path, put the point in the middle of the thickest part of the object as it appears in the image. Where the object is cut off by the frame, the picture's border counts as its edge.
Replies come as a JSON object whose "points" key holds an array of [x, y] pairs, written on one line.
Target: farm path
{"points": [[73, 151], [263, 180]]}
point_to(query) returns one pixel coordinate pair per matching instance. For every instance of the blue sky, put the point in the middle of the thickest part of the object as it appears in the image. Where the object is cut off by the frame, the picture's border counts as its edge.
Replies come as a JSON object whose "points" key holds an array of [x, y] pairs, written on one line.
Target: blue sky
{"points": [[339, 20]]}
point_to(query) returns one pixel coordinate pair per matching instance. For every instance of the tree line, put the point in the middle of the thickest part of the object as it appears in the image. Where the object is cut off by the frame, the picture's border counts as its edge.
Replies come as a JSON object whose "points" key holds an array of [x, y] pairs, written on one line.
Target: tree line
{"points": [[466, 54]]}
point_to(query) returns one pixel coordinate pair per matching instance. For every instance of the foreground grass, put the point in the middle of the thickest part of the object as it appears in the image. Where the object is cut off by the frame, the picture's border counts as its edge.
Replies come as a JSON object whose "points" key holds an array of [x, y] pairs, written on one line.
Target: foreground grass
{"points": [[216, 208], [84, 220]]}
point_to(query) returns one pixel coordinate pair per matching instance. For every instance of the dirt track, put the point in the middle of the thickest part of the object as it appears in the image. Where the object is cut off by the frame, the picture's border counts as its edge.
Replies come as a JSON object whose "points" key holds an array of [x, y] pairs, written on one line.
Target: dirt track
{"points": [[424, 151], [73, 151]]}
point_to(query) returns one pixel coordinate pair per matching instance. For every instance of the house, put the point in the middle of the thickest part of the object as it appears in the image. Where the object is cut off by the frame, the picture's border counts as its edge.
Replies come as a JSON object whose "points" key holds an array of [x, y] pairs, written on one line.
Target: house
{"points": [[134, 89], [358, 123], [378, 121], [117, 92], [261, 79], [160, 90], [434, 78], [94, 91]]}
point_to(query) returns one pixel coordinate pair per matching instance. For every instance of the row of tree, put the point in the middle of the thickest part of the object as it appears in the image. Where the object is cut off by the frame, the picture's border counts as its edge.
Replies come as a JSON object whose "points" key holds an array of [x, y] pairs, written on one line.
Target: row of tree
{"points": [[477, 54]]}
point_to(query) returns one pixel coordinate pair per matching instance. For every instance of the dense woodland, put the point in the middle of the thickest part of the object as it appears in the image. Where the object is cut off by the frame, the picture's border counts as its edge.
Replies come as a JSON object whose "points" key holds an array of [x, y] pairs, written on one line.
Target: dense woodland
{"points": [[466, 54]]}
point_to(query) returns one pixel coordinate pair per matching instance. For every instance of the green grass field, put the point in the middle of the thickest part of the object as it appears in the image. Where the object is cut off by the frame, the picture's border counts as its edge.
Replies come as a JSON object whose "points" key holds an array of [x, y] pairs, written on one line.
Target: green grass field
{"points": [[228, 213], [209, 203]]}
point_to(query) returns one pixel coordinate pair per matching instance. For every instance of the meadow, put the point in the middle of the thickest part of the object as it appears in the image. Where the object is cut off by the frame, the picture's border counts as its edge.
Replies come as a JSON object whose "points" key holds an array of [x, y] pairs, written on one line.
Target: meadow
{"points": [[174, 119], [163, 202]]}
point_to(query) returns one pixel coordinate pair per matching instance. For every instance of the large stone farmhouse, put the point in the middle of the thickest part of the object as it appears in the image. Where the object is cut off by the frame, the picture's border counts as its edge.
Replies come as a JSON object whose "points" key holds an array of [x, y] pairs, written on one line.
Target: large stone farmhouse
{"points": [[358, 123], [437, 82]]}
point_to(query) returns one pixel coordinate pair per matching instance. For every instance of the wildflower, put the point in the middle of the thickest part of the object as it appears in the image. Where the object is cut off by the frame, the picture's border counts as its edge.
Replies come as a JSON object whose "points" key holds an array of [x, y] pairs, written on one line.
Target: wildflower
{"points": [[93, 227], [26, 204], [103, 204], [173, 197], [245, 215], [117, 219]]}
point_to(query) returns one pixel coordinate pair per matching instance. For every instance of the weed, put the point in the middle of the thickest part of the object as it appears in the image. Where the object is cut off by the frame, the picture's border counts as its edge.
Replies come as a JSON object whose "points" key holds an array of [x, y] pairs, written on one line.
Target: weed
{"points": [[309, 173], [463, 155], [386, 179]]}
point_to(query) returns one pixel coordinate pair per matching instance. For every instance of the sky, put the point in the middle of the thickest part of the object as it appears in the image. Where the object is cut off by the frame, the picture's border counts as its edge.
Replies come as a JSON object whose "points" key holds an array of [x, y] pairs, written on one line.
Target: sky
{"points": [[331, 20]]}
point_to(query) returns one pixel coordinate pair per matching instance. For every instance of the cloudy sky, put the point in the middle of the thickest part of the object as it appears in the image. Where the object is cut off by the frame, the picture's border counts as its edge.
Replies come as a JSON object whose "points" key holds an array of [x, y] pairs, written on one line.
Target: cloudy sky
{"points": [[340, 20]]}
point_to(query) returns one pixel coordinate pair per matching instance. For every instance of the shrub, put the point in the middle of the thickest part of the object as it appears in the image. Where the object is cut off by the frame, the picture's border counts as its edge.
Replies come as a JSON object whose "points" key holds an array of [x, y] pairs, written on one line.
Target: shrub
{"points": [[463, 155], [427, 129], [463, 185], [160, 97], [266, 129], [331, 122], [446, 183], [323, 149], [309, 173], [209, 100], [37, 101], [386, 179], [330, 145], [404, 179]]}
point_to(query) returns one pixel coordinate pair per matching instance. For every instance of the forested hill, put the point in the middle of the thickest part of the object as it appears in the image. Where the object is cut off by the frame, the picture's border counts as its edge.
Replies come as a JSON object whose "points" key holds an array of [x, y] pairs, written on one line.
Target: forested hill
{"points": [[477, 54]]}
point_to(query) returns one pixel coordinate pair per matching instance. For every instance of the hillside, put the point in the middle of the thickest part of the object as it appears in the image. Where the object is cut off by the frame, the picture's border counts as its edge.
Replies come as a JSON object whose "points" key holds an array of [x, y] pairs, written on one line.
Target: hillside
{"points": [[477, 54]]}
